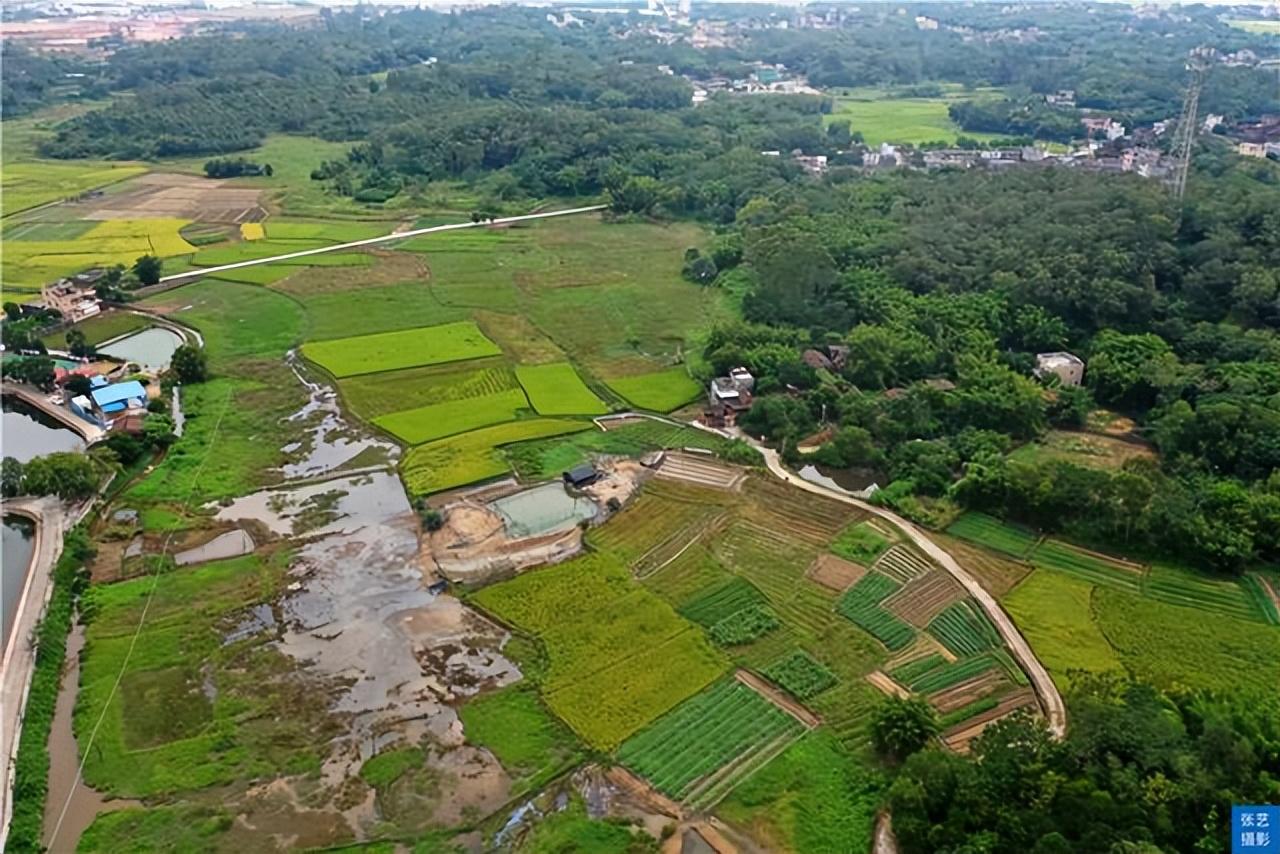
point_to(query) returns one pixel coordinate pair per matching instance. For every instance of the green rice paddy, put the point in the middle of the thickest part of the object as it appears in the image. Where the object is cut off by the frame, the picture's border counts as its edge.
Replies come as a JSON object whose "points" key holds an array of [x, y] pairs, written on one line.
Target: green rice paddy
{"points": [[390, 351]]}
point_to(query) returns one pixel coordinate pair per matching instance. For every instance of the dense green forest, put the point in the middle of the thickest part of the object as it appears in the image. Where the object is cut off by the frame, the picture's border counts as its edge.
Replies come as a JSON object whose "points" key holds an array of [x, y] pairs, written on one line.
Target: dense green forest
{"points": [[966, 277], [1139, 773]]}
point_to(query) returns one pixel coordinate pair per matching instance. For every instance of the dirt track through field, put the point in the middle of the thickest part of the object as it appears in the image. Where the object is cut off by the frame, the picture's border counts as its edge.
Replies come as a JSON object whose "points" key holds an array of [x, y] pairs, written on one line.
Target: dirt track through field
{"points": [[778, 698]]}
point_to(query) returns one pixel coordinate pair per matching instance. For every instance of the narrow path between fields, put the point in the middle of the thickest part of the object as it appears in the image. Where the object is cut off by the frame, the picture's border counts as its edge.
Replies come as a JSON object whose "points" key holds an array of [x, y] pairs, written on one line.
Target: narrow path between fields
{"points": [[371, 241]]}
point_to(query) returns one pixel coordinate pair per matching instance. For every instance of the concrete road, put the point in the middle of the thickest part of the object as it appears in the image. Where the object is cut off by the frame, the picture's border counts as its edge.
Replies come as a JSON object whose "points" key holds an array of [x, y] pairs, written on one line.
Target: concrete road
{"points": [[373, 241], [1051, 704]]}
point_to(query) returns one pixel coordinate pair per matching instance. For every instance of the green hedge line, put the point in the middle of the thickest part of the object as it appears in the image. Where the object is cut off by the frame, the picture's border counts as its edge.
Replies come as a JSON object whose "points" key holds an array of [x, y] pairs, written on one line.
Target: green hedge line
{"points": [[31, 771]]}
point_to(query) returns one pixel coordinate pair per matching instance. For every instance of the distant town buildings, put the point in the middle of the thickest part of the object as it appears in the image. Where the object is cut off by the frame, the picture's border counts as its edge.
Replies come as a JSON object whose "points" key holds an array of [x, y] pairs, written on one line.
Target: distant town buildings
{"points": [[1065, 366]]}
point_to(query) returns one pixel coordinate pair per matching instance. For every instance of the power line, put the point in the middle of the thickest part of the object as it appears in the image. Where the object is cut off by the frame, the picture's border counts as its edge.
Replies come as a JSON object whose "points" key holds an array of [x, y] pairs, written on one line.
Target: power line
{"points": [[137, 632]]}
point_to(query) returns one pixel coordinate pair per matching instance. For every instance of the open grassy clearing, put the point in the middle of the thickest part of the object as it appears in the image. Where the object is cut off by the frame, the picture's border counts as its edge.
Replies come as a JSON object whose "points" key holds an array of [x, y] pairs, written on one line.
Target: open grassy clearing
{"points": [[993, 533], [1087, 566], [31, 183], [1169, 645], [101, 327], [374, 395], [528, 740], [1054, 613], [163, 733], [237, 320], [540, 460], [473, 457], [390, 351], [815, 798], [31, 263], [685, 752], [1090, 450], [880, 118], [556, 389], [618, 656], [1254, 26], [659, 391], [437, 420]]}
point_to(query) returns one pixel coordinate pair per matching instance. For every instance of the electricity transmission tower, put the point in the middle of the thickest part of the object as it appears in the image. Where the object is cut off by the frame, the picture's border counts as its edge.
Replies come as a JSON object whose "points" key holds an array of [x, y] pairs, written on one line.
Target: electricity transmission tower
{"points": [[1184, 138]]}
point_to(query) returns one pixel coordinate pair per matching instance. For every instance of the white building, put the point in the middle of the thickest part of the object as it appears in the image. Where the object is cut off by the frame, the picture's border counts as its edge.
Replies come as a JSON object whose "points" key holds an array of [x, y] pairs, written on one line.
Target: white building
{"points": [[1065, 366]]}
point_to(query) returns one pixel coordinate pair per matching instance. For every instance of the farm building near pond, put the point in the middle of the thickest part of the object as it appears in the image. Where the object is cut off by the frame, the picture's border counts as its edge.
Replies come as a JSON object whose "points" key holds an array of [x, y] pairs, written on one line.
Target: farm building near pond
{"points": [[580, 476], [112, 400], [1065, 366]]}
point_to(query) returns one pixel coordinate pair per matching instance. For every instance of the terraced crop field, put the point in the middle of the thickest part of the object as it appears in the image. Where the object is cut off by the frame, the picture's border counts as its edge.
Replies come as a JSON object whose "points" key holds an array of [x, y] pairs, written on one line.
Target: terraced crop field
{"points": [[903, 564], [537, 460], [1178, 586], [994, 534], [800, 675], [924, 597], [661, 391], [374, 395], [861, 543], [776, 563], [473, 457], [1089, 566], [700, 750], [663, 514], [409, 348], [964, 629], [437, 420], [861, 605], [556, 389], [947, 674], [617, 656], [802, 515], [722, 601]]}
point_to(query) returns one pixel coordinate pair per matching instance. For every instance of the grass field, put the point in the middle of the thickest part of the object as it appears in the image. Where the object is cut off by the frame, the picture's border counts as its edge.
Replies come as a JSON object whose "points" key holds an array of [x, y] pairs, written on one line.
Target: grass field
{"points": [[31, 263], [1176, 585], [1054, 613], [1087, 566], [28, 184], [556, 389], [527, 739], [1169, 645], [660, 391], [725, 725], [374, 395], [993, 533], [437, 420], [618, 656], [815, 798], [900, 120], [472, 457], [390, 351], [1090, 450], [1253, 26], [237, 320], [102, 327], [163, 733]]}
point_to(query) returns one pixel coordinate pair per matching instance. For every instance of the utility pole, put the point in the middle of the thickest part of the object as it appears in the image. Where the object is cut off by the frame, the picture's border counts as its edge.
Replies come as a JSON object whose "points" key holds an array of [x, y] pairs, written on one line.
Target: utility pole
{"points": [[1198, 64]]}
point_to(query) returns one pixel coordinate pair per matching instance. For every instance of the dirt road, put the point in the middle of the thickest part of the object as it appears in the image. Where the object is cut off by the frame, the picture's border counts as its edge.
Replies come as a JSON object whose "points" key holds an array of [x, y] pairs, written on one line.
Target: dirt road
{"points": [[1046, 692]]}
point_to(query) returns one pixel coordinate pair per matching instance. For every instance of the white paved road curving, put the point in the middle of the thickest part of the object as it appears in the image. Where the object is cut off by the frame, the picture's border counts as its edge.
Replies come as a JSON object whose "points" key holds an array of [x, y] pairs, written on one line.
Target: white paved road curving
{"points": [[372, 241], [1047, 693]]}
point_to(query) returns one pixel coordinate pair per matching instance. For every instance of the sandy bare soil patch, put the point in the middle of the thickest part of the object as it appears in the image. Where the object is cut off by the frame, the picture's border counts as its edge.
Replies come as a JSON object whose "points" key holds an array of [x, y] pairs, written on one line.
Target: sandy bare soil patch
{"points": [[883, 682], [835, 573], [165, 194]]}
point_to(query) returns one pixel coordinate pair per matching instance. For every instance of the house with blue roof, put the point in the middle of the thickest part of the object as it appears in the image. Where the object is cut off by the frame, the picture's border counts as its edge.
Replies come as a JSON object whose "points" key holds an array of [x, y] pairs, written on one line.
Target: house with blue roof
{"points": [[118, 397]]}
